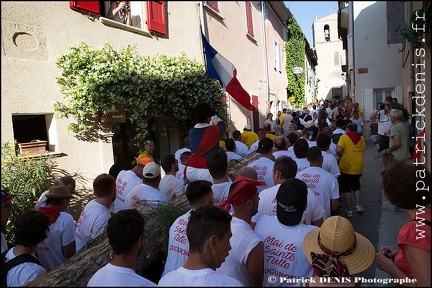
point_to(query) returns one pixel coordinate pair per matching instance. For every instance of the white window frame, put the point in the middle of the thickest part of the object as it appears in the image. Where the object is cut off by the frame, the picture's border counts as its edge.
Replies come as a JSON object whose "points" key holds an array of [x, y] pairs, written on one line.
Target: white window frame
{"points": [[276, 56]]}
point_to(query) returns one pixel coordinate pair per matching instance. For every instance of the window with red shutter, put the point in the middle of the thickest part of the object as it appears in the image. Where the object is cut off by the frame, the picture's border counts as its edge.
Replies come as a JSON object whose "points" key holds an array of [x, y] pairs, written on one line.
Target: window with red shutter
{"points": [[156, 19], [90, 6], [249, 21], [213, 5]]}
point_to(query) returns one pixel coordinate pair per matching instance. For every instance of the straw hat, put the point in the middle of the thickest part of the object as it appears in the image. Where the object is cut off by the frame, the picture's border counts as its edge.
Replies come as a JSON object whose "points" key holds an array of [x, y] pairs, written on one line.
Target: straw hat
{"points": [[338, 235]]}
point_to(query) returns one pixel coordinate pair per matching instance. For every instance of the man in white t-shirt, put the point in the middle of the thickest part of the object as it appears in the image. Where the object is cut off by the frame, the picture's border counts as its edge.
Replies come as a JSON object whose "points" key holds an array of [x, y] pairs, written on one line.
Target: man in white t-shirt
{"points": [[323, 184], [198, 193], [231, 147], [180, 151], [264, 164], [59, 246], [286, 168], [145, 196], [126, 237], [208, 232], [126, 180], [218, 167], [245, 260], [329, 161], [283, 235], [170, 185], [300, 149], [241, 148], [94, 217], [282, 149], [261, 135]]}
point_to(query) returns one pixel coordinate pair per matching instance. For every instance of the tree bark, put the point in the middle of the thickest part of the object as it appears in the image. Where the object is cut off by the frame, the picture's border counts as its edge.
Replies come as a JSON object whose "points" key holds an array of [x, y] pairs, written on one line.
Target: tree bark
{"points": [[77, 271]]}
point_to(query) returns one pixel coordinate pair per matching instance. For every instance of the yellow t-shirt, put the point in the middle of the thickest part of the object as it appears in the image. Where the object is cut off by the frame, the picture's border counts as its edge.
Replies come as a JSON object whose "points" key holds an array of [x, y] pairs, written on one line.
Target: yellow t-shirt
{"points": [[249, 137], [271, 136], [351, 161], [281, 118], [222, 145]]}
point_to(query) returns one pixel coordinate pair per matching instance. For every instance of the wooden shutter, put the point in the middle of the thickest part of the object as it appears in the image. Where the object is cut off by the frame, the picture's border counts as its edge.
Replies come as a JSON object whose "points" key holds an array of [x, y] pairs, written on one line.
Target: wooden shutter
{"points": [[249, 21], [213, 5], [90, 6], [156, 16]]}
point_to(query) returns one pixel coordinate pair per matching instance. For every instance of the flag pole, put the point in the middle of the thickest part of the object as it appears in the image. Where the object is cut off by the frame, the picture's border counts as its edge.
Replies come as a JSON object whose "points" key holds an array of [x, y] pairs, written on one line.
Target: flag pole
{"points": [[203, 49]]}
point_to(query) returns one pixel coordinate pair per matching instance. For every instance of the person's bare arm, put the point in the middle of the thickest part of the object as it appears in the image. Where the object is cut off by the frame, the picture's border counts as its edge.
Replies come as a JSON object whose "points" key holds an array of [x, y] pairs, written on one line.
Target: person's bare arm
{"points": [[255, 265]]}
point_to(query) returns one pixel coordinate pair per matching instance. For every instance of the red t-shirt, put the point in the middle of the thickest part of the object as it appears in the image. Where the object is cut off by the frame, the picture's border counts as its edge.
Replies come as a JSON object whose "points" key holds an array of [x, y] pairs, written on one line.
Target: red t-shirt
{"points": [[416, 234]]}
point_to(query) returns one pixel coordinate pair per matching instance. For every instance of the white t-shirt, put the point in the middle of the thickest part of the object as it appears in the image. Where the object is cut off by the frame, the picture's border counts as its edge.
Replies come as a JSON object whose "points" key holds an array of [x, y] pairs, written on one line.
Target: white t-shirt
{"points": [[323, 184], [264, 168], [286, 121], [116, 276], [126, 180], [220, 192], [61, 233], [171, 186], [24, 272], [289, 152], [330, 163], [144, 197], [254, 147], [243, 241], [302, 163], [91, 223], [267, 205], [241, 148], [194, 278], [231, 155], [332, 150], [384, 123], [178, 244], [283, 250]]}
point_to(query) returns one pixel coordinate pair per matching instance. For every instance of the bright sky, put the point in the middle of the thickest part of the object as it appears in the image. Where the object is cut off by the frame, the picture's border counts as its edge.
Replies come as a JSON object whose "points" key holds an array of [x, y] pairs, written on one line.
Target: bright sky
{"points": [[306, 12]]}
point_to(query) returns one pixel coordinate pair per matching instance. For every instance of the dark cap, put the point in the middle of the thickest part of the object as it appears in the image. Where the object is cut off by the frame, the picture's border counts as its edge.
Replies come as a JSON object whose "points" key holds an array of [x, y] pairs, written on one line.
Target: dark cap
{"points": [[265, 145], [291, 201]]}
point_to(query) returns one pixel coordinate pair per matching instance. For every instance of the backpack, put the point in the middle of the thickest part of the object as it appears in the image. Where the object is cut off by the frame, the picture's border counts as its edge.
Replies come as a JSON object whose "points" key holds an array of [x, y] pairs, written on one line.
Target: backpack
{"points": [[6, 266]]}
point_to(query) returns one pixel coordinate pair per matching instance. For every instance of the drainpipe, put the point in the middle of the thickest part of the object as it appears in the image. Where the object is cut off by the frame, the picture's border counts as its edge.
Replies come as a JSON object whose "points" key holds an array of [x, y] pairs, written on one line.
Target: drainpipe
{"points": [[264, 12]]}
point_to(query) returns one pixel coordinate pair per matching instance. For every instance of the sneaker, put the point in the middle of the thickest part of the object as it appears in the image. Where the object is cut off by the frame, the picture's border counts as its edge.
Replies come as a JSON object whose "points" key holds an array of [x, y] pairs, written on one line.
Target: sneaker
{"points": [[359, 209], [348, 214]]}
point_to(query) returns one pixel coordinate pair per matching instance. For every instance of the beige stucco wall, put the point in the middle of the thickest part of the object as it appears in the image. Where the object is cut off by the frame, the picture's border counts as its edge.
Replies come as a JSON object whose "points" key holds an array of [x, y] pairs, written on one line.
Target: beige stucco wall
{"points": [[327, 72], [45, 33]]}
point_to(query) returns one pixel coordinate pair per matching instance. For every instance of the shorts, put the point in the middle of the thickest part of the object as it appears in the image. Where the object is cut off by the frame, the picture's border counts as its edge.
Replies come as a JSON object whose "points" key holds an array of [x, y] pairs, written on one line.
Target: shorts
{"points": [[375, 138], [384, 142], [349, 182]]}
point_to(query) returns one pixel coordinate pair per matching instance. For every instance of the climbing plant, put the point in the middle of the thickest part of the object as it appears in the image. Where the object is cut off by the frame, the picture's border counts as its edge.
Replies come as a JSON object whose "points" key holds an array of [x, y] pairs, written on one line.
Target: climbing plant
{"points": [[93, 81], [295, 55]]}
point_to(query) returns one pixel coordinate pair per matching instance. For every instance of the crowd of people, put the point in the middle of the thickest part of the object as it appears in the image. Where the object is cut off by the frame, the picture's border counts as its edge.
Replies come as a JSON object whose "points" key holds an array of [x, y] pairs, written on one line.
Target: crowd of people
{"points": [[276, 218]]}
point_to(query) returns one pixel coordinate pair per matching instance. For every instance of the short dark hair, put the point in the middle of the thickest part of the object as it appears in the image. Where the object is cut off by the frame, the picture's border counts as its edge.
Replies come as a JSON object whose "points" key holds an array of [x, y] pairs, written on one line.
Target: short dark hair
{"points": [[196, 191], [236, 134], [323, 141], [103, 184], [280, 142], [339, 123], [230, 144], [351, 126], [313, 154], [31, 228], [292, 137], [217, 163], [185, 156], [167, 161], [287, 166], [300, 148], [124, 229], [399, 180], [204, 222]]}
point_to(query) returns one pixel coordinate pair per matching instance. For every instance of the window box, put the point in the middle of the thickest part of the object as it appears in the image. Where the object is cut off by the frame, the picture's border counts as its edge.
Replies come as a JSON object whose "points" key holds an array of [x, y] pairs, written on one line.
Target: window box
{"points": [[32, 148]]}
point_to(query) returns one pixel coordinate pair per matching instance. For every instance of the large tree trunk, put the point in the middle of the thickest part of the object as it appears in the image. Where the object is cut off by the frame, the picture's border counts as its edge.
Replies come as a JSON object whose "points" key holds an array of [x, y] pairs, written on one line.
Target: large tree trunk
{"points": [[77, 271]]}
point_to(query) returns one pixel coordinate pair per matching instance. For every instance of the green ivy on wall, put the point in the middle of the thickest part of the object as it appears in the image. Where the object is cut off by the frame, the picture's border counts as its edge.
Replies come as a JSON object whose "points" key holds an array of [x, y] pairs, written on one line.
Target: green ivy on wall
{"points": [[148, 86], [295, 55]]}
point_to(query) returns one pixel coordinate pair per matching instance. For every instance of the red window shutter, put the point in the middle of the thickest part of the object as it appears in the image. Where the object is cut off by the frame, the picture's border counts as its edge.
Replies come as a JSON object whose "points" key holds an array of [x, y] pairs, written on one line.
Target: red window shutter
{"points": [[213, 5], [156, 16], [249, 21], [90, 6]]}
